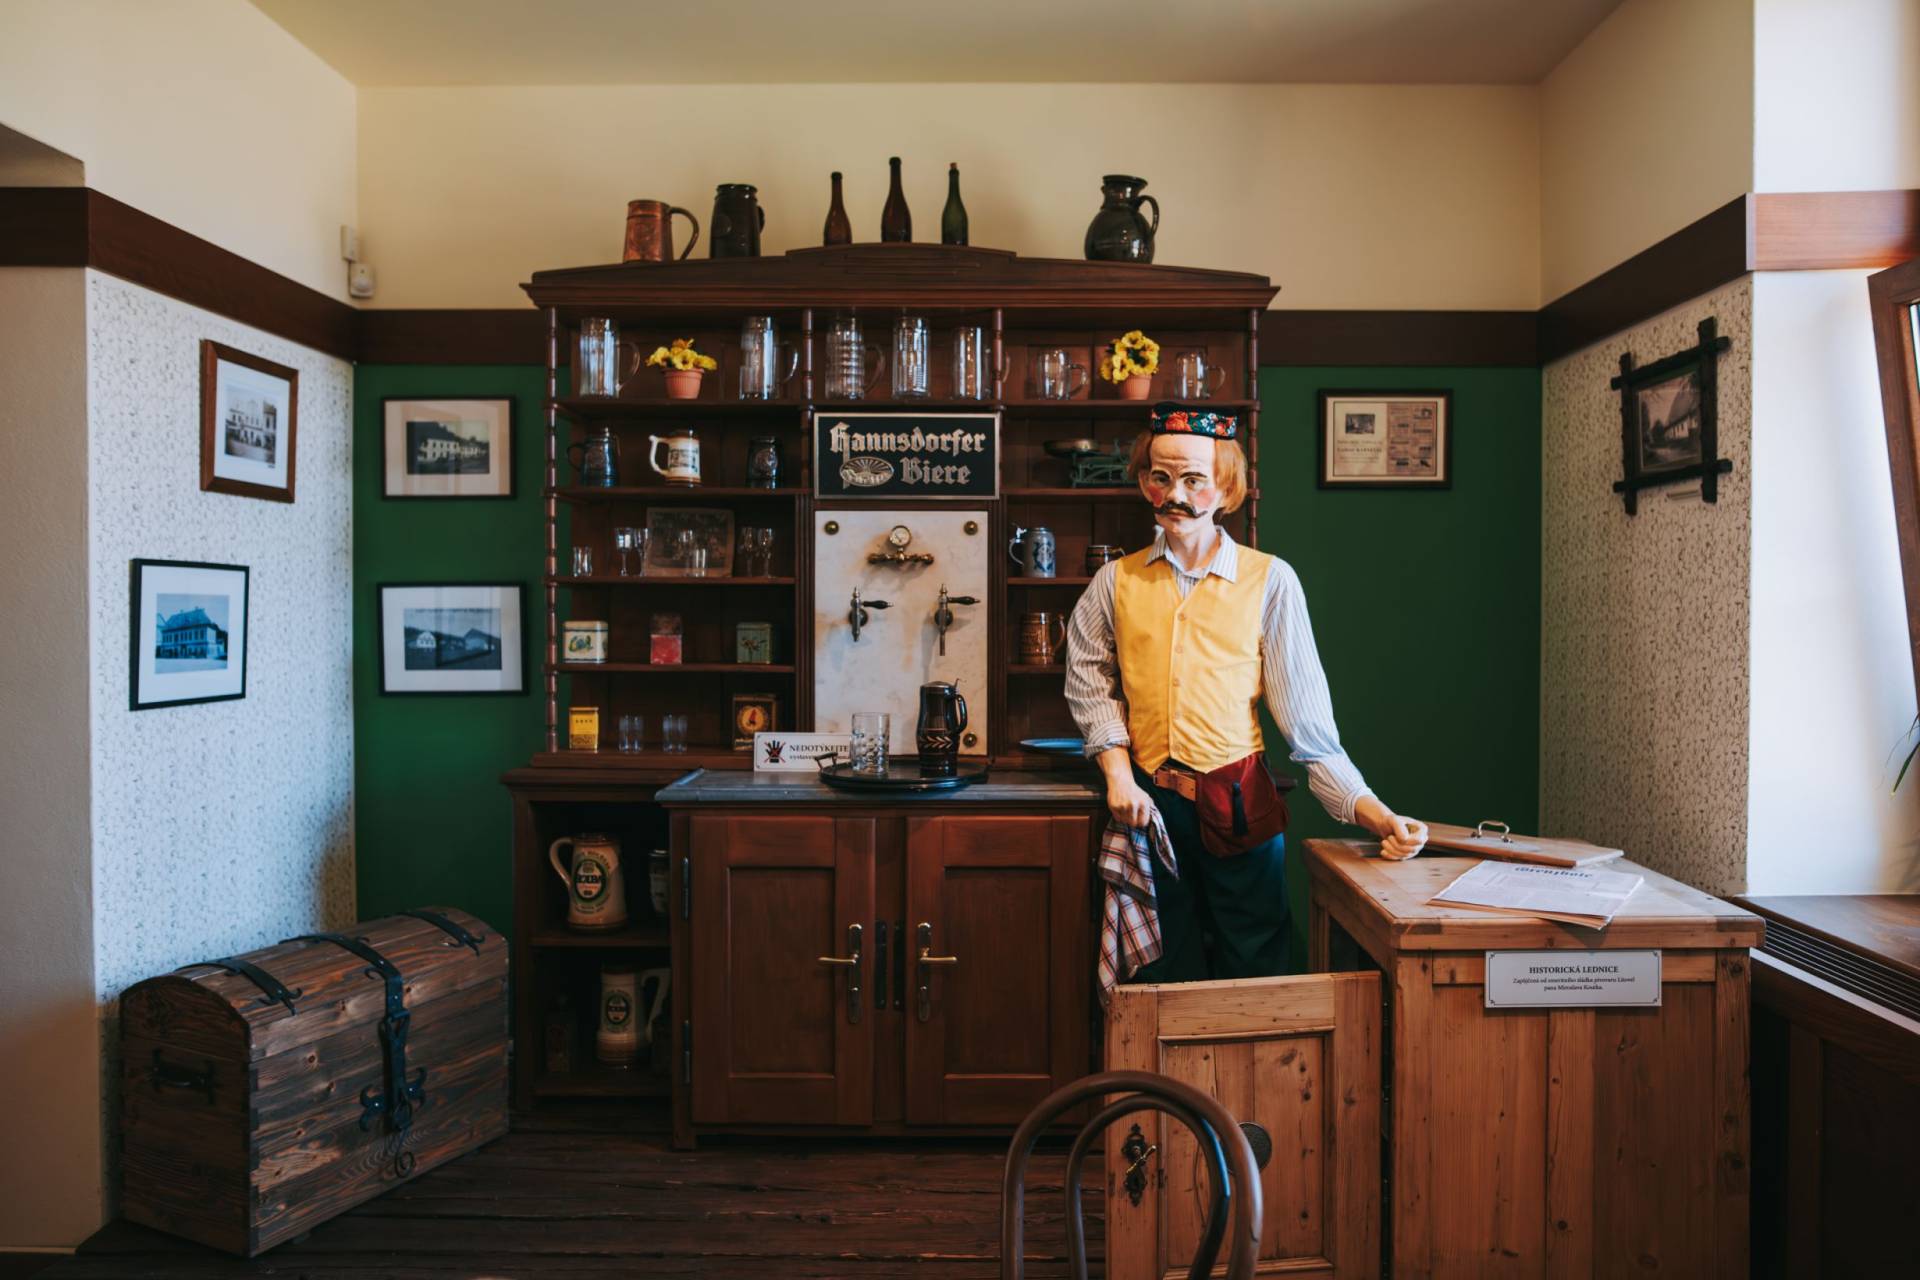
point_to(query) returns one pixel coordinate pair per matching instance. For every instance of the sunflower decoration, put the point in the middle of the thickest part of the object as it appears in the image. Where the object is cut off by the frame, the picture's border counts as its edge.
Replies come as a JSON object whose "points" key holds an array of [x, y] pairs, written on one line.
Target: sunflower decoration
{"points": [[682, 356], [1131, 355]]}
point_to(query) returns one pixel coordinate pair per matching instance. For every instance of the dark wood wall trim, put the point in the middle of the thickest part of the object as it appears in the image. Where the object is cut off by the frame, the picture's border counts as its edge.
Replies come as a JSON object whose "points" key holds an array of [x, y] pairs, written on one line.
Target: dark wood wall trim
{"points": [[79, 227], [1787, 231]]}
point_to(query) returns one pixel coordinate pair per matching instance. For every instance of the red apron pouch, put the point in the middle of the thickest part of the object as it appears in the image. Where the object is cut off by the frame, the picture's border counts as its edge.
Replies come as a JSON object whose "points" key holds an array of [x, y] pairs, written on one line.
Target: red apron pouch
{"points": [[1239, 807]]}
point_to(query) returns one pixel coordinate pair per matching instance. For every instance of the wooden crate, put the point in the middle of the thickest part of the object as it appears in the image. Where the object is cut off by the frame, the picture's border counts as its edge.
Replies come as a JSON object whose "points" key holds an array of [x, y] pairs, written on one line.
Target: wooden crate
{"points": [[248, 1119]]}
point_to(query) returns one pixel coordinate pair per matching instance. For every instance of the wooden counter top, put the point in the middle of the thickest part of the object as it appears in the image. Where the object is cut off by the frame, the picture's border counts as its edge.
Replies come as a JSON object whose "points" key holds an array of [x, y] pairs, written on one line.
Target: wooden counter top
{"points": [[1390, 900], [734, 787]]}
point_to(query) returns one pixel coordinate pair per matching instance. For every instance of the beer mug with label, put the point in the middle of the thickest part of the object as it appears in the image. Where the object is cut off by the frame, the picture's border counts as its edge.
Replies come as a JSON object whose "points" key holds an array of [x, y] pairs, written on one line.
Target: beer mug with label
{"points": [[596, 885]]}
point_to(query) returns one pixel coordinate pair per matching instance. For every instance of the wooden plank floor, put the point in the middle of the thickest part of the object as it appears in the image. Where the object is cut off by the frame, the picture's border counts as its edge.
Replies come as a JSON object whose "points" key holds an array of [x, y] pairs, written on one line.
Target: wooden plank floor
{"points": [[587, 1192]]}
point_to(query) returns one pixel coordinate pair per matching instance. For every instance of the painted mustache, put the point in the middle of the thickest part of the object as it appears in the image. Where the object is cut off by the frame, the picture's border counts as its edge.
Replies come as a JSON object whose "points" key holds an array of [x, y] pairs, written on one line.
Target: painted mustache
{"points": [[1174, 505]]}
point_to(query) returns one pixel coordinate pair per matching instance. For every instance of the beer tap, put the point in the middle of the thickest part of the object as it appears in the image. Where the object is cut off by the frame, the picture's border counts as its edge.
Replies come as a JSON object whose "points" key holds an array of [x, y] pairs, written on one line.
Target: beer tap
{"points": [[943, 614], [857, 615], [898, 539]]}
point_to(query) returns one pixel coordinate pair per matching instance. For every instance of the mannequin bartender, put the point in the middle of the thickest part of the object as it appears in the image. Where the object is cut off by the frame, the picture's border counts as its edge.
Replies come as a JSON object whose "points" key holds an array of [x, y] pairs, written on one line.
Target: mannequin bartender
{"points": [[1169, 652]]}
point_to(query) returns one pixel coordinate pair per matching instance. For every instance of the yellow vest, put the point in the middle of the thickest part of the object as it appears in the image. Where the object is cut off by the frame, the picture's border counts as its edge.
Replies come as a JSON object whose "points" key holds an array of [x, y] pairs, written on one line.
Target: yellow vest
{"points": [[1190, 669]]}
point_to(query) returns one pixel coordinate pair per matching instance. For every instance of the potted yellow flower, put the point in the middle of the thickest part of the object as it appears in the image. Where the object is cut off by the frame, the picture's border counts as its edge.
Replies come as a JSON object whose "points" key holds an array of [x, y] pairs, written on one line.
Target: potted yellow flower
{"points": [[1130, 362], [682, 367]]}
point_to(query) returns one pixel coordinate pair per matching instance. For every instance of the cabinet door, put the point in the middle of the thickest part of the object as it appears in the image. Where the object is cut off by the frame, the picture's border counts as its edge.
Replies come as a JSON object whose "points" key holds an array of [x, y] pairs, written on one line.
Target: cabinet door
{"points": [[1297, 1057], [776, 1039], [1004, 1023]]}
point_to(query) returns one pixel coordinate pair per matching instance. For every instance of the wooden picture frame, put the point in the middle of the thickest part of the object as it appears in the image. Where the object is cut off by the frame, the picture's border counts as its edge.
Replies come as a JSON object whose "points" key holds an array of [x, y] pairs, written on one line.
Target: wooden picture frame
{"points": [[1371, 438], [1895, 296], [245, 450], [1669, 420], [494, 611], [187, 633], [429, 444]]}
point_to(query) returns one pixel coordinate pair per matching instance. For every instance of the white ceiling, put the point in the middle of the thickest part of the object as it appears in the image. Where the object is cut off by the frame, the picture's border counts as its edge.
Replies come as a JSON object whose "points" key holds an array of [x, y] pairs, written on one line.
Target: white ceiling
{"points": [[549, 42]]}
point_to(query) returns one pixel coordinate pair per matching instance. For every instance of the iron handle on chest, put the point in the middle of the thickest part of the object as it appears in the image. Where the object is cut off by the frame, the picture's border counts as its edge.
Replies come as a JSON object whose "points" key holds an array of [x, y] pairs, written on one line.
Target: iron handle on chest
{"points": [[396, 1095], [851, 963]]}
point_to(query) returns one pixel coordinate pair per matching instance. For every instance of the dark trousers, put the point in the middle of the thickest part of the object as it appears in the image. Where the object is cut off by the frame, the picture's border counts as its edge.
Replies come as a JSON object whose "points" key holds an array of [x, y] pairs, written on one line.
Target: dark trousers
{"points": [[1223, 917]]}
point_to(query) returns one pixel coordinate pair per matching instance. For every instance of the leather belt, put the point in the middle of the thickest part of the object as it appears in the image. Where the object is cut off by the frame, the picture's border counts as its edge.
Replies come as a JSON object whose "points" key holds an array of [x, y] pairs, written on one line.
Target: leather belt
{"points": [[1182, 782]]}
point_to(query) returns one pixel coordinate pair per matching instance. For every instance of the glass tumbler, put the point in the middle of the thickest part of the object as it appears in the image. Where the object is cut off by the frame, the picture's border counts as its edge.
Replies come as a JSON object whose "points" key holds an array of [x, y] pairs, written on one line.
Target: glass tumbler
{"points": [[583, 562], [673, 733], [910, 358], [1058, 377], [972, 374], [633, 733], [869, 745]]}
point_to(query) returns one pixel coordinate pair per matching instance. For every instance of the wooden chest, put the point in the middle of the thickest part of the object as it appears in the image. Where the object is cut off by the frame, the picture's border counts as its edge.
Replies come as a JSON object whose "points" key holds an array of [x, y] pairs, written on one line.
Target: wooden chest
{"points": [[263, 1094]]}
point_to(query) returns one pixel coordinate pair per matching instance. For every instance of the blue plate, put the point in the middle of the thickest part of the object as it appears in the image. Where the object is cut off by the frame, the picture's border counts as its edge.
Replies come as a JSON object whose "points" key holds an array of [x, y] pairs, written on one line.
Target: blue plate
{"points": [[1056, 746]]}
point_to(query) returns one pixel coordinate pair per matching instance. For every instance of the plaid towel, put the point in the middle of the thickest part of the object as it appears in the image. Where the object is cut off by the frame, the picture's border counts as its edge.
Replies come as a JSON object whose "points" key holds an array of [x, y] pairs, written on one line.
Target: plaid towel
{"points": [[1130, 929]]}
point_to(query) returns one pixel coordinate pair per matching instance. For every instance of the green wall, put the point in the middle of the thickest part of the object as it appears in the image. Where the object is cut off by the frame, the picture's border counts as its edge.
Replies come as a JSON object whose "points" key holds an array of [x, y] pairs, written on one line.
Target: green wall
{"points": [[432, 822], [1426, 607], [1425, 604]]}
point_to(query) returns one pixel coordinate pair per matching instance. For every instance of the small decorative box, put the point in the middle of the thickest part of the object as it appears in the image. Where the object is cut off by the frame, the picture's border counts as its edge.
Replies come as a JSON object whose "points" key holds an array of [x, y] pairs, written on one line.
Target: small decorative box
{"points": [[664, 638], [753, 642], [583, 728], [583, 641]]}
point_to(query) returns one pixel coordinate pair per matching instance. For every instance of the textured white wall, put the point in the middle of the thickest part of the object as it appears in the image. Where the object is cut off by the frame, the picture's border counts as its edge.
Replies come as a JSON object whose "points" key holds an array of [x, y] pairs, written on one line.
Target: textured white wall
{"points": [[1832, 682], [229, 825], [1836, 95], [1644, 620], [48, 1020]]}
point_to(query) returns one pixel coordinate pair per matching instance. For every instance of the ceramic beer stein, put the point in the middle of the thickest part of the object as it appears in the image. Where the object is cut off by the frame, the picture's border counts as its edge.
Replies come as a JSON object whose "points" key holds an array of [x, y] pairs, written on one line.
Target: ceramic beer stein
{"points": [[1098, 553], [683, 456], [596, 885], [1038, 641], [1032, 549], [616, 1036]]}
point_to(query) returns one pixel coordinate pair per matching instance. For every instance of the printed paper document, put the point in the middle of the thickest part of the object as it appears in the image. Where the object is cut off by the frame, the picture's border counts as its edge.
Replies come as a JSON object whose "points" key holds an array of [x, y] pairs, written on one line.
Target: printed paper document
{"points": [[1572, 894]]}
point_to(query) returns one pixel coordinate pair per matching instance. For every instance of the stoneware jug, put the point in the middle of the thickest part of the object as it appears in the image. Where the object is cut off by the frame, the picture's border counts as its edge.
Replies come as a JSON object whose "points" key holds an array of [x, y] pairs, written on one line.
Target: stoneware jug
{"points": [[650, 231], [734, 229], [596, 460], [616, 1036], [943, 718], [1118, 233], [1033, 550], [596, 884], [1042, 635], [683, 457]]}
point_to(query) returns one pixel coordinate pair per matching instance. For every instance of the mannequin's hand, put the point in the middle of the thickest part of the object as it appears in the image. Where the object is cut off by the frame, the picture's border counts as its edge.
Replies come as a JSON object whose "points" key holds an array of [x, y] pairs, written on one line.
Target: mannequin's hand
{"points": [[1400, 838], [1129, 805]]}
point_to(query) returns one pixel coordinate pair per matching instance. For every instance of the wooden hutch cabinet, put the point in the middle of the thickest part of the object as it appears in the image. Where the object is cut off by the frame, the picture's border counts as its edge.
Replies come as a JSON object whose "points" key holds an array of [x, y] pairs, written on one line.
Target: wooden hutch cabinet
{"points": [[1000, 873]]}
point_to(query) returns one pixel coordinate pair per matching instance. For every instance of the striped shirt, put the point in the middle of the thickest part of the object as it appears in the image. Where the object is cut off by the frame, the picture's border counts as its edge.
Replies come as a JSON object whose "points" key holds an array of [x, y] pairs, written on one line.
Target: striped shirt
{"points": [[1290, 675]]}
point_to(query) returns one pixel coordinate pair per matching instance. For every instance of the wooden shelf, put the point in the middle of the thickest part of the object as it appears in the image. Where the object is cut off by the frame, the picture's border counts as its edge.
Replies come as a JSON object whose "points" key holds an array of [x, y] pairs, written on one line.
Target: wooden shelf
{"points": [[596, 1081], [878, 405], [1129, 494], [657, 580], [584, 494], [1115, 408], [596, 408], [632, 936], [1064, 580], [1049, 669], [699, 757], [672, 668]]}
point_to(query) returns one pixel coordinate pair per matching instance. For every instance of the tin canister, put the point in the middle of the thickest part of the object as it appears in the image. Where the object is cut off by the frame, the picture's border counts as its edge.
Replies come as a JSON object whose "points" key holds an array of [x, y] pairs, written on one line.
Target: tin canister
{"points": [[616, 1039], [753, 642], [583, 728], [583, 641]]}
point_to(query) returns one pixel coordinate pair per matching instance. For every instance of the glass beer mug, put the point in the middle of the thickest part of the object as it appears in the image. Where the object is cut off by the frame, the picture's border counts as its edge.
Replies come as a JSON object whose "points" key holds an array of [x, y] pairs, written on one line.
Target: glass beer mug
{"points": [[1194, 378], [848, 356], [911, 350], [766, 363], [605, 363]]}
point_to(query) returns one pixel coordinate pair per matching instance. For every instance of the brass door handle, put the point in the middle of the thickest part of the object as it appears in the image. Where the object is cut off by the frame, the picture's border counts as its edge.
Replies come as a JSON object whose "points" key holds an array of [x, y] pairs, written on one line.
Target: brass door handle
{"points": [[851, 963], [923, 1002], [928, 959]]}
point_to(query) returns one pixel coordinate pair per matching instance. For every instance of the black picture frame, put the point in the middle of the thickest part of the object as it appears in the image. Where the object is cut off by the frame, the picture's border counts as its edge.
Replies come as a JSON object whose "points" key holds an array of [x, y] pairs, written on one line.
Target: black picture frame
{"points": [[381, 622], [1683, 385], [138, 617], [1381, 400], [510, 453]]}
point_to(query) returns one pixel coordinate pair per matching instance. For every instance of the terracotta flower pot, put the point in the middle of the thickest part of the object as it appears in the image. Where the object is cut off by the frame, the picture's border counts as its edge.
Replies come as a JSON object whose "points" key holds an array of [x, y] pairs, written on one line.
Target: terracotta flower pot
{"points": [[683, 384], [1137, 387]]}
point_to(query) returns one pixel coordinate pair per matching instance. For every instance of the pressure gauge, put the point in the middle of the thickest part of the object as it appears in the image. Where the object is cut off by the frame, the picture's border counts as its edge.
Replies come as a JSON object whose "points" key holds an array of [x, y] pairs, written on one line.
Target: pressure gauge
{"points": [[899, 536]]}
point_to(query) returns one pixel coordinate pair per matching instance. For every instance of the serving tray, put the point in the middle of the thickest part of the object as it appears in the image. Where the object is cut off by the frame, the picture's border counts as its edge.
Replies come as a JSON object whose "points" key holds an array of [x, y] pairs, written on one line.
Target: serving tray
{"points": [[901, 775]]}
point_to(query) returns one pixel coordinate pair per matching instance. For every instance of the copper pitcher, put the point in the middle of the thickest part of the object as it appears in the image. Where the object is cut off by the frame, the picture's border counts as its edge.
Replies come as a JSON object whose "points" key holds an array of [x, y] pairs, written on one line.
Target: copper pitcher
{"points": [[650, 231]]}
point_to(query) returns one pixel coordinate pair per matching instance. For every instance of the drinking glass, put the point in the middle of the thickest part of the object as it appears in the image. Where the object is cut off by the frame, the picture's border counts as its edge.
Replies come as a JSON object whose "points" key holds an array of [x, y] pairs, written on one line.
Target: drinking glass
{"points": [[869, 746], [605, 363], [583, 562], [762, 552], [1059, 377], [624, 538], [971, 375], [910, 358], [633, 733], [673, 733], [848, 356], [1194, 378], [697, 561], [765, 362]]}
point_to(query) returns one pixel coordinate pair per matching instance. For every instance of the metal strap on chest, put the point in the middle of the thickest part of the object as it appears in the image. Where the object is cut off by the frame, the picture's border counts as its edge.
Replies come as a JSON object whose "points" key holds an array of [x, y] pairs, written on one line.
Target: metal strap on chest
{"points": [[395, 1100], [459, 935], [272, 990]]}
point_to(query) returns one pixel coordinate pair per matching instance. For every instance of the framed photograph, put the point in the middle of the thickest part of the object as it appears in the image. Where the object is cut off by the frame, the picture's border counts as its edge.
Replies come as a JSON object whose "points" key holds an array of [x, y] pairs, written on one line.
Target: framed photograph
{"points": [[447, 448], [1386, 439], [688, 542], [189, 633], [452, 638], [248, 418], [1669, 422]]}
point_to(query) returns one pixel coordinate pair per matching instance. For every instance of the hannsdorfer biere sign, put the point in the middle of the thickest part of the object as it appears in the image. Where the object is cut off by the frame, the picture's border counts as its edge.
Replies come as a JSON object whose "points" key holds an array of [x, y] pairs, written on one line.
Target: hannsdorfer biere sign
{"points": [[906, 455]]}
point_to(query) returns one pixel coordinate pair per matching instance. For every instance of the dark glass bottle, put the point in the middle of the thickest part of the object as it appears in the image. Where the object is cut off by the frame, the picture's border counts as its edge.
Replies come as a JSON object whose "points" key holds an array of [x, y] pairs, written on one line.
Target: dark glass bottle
{"points": [[838, 229], [896, 224], [953, 218]]}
